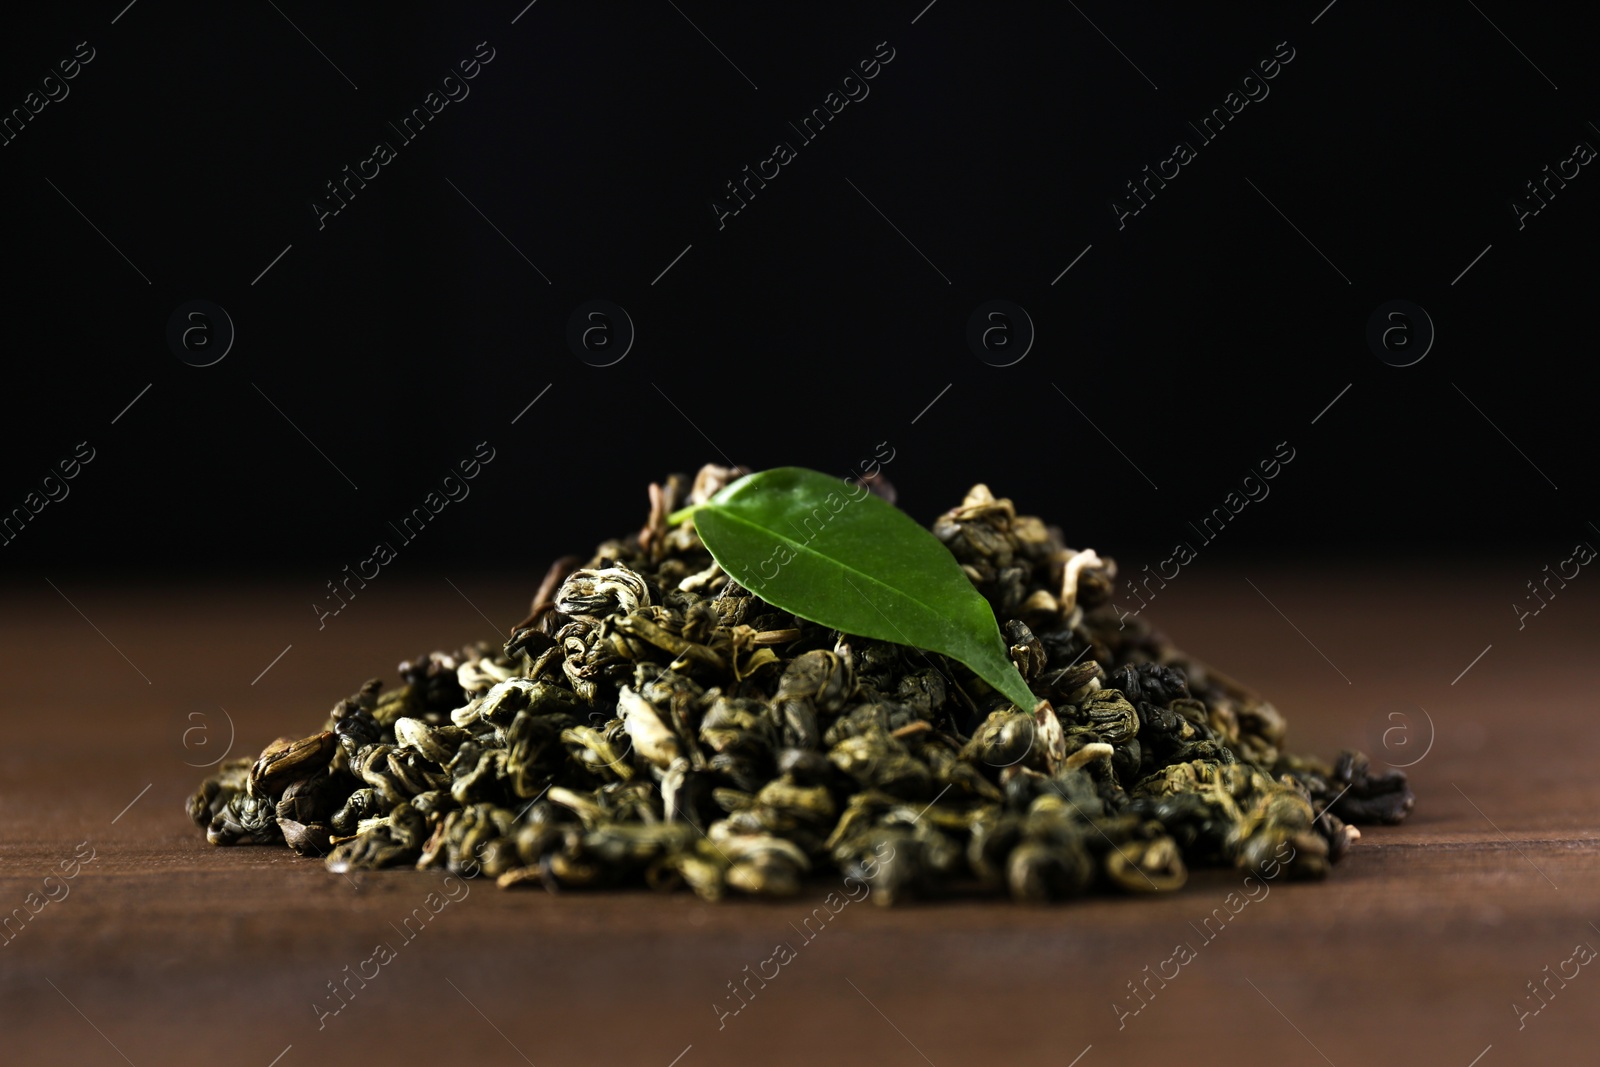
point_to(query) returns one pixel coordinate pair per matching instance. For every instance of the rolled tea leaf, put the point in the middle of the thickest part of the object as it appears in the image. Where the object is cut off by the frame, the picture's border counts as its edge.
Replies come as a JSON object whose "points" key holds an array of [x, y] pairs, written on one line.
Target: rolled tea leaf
{"points": [[823, 550]]}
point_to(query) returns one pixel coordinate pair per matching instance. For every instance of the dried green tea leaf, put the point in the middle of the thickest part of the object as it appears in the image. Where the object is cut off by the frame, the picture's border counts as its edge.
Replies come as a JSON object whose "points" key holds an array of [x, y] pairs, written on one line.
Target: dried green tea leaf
{"points": [[654, 721]]}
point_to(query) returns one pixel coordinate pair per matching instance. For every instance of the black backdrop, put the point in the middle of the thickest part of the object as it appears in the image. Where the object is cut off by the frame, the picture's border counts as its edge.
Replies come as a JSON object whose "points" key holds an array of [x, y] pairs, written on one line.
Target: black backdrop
{"points": [[376, 348]]}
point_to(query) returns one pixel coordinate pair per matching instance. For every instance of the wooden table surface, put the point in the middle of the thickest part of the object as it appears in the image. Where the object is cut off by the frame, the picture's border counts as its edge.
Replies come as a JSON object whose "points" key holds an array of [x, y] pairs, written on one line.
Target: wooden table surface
{"points": [[164, 950]]}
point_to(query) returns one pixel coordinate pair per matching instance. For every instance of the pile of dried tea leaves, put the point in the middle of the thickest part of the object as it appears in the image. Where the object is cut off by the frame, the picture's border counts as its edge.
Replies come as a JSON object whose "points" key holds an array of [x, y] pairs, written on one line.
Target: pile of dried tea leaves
{"points": [[653, 722]]}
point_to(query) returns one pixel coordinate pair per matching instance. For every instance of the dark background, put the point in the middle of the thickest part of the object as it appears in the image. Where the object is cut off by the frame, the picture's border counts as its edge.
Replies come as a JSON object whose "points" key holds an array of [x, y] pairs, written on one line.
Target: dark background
{"points": [[808, 330]]}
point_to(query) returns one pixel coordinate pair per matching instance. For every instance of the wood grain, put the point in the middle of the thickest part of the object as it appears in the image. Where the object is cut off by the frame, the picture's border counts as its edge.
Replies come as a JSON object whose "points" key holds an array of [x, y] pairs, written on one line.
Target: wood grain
{"points": [[168, 951]]}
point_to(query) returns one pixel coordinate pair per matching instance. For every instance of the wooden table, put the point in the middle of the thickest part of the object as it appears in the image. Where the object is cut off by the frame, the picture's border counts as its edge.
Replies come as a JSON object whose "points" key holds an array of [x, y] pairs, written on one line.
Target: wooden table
{"points": [[166, 951]]}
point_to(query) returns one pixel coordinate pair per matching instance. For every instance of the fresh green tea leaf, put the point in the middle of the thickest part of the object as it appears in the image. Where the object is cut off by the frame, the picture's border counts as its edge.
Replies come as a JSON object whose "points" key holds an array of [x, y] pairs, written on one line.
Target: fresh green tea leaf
{"points": [[833, 553]]}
